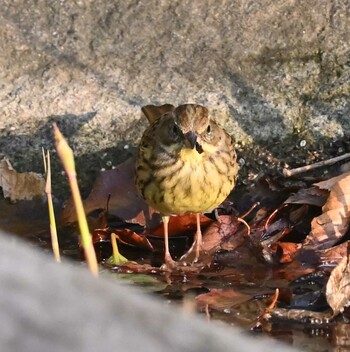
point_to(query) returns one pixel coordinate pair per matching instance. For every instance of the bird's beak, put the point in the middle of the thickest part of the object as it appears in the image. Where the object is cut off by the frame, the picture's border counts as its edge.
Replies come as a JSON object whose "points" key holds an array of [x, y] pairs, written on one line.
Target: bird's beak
{"points": [[190, 139]]}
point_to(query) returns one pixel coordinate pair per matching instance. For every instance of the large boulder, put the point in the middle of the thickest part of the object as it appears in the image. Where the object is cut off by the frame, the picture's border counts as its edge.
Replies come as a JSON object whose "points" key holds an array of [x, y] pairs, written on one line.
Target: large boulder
{"points": [[273, 72]]}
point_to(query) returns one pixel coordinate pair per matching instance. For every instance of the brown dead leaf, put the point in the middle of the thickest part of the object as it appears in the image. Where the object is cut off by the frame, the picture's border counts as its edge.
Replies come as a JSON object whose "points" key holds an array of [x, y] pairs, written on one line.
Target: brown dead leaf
{"points": [[25, 217], [221, 299], [311, 196], [328, 228], [331, 182], [20, 186], [221, 234], [299, 214], [219, 231], [217, 235], [286, 251], [274, 232], [131, 238], [338, 286], [125, 236], [181, 225], [125, 201], [334, 254], [294, 269]]}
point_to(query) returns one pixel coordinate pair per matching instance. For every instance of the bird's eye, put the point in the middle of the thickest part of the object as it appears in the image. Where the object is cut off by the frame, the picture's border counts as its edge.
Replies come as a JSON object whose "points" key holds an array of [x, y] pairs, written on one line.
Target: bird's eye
{"points": [[175, 130], [209, 129]]}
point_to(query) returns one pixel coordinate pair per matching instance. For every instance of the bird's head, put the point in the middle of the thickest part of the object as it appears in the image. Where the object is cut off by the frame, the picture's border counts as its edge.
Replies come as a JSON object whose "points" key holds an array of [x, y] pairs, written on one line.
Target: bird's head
{"points": [[187, 128], [193, 125]]}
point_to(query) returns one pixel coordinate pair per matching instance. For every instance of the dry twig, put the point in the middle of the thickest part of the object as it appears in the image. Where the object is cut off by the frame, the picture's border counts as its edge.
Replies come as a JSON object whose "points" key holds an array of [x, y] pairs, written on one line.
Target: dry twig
{"points": [[299, 170]]}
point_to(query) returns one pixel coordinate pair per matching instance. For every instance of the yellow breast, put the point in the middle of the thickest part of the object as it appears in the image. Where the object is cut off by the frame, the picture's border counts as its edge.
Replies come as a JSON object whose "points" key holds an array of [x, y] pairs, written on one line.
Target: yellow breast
{"points": [[192, 185], [190, 156]]}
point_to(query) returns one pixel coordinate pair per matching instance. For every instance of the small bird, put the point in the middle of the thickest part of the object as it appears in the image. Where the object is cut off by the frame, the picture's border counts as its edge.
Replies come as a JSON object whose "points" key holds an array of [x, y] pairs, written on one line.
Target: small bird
{"points": [[186, 164]]}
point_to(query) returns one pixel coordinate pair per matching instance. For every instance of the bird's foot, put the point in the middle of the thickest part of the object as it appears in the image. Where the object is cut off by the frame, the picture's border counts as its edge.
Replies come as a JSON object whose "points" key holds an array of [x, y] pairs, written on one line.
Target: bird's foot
{"points": [[192, 255], [169, 263]]}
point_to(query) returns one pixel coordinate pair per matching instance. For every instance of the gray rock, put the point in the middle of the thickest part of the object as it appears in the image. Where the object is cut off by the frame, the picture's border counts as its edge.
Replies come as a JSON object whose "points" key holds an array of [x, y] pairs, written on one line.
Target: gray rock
{"points": [[268, 70], [45, 306]]}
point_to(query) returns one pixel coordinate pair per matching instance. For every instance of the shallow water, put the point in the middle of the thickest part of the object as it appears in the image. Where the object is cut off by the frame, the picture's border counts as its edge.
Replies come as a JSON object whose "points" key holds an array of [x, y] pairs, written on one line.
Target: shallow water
{"points": [[232, 294]]}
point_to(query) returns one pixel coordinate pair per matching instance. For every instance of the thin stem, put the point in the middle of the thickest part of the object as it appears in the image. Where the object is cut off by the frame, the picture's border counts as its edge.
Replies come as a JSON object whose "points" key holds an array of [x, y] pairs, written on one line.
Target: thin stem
{"points": [[299, 170], [53, 229], [66, 155]]}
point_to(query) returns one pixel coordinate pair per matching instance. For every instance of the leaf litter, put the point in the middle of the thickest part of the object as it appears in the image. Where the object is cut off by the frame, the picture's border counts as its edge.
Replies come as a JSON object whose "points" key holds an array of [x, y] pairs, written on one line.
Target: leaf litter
{"points": [[20, 186], [297, 243]]}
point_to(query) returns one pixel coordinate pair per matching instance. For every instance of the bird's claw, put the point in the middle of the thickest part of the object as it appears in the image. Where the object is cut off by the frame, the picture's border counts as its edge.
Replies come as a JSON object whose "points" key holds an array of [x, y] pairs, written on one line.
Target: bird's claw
{"points": [[169, 264], [192, 255]]}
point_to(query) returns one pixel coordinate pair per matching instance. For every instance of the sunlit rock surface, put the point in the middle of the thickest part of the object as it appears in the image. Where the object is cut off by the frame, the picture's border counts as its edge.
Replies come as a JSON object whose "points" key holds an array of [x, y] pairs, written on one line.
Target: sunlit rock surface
{"points": [[270, 71]]}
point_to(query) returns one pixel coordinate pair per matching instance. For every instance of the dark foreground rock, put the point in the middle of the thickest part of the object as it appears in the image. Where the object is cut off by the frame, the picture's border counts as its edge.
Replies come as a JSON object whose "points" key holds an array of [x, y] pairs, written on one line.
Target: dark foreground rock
{"points": [[47, 306]]}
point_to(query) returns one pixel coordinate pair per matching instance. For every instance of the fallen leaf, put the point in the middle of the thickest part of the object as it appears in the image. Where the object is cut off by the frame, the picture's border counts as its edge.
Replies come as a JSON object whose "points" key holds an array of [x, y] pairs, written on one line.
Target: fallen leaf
{"points": [[219, 231], [25, 217], [149, 283], [241, 265], [332, 255], [125, 201], [311, 196], [132, 268], [331, 182], [264, 191], [221, 299], [328, 228], [125, 236], [221, 234], [286, 251], [299, 214], [131, 238], [275, 232], [294, 269], [258, 226], [181, 225], [338, 286], [20, 186]]}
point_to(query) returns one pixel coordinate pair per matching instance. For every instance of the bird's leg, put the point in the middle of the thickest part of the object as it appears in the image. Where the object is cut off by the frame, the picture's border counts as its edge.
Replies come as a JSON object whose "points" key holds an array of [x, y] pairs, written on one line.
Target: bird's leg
{"points": [[169, 263], [193, 253], [198, 237]]}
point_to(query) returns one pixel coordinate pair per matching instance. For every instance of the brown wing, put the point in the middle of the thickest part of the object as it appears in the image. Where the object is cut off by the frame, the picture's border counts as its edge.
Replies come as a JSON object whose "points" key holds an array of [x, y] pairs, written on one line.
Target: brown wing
{"points": [[154, 112]]}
